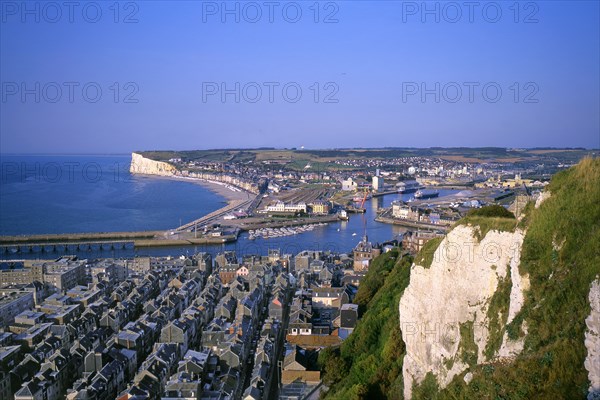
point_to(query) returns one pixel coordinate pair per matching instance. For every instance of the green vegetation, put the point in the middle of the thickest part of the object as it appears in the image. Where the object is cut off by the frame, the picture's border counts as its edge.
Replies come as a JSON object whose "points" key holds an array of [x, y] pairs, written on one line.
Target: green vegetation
{"points": [[428, 389], [493, 211], [525, 215], [560, 254], [369, 363], [322, 160], [425, 256], [486, 224], [378, 272], [497, 314], [467, 347], [489, 218]]}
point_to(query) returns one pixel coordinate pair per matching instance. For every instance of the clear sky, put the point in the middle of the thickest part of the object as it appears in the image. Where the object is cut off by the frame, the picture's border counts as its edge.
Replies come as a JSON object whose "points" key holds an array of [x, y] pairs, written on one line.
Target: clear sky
{"points": [[196, 75]]}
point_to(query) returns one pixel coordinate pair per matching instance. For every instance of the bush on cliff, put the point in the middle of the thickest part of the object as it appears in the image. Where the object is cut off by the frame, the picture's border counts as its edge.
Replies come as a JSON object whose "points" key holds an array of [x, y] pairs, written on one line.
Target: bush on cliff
{"points": [[369, 363], [561, 255]]}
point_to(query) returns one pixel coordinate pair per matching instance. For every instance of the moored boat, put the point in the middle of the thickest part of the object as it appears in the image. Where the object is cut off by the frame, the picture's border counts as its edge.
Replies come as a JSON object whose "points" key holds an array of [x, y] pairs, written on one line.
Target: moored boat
{"points": [[426, 194]]}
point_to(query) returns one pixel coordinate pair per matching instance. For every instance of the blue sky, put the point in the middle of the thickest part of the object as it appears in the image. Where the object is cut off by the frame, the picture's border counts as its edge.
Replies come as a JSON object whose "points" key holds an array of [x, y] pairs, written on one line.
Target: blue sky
{"points": [[388, 74]]}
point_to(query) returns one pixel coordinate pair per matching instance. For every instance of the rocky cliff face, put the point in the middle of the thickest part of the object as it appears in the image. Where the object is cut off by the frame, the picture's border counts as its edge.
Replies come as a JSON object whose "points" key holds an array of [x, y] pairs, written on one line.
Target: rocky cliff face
{"points": [[142, 165], [592, 341], [513, 313], [454, 312]]}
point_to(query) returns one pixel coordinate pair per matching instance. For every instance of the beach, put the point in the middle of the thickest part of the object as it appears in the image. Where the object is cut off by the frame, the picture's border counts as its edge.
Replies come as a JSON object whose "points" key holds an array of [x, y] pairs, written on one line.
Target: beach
{"points": [[230, 193]]}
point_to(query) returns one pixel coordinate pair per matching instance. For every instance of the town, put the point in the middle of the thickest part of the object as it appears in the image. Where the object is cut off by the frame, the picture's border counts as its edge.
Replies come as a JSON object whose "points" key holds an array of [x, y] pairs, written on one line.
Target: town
{"points": [[287, 188], [171, 328], [227, 325]]}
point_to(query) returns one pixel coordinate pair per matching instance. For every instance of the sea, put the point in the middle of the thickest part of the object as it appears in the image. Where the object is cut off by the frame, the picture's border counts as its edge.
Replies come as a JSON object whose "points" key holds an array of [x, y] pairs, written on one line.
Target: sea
{"points": [[42, 194]]}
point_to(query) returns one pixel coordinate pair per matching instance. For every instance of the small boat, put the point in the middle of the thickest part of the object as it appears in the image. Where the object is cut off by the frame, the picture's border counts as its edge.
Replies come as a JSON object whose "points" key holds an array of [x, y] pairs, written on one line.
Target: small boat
{"points": [[354, 234], [343, 215], [359, 199], [426, 194]]}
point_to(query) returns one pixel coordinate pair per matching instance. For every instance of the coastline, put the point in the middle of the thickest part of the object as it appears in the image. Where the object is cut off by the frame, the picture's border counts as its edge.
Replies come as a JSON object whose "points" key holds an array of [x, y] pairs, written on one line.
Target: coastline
{"points": [[226, 191], [223, 190], [144, 166]]}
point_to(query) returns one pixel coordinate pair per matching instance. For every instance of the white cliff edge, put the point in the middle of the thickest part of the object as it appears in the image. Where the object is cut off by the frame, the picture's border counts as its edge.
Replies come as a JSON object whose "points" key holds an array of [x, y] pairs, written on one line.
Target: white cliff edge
{"points": [[592, 341], [545, 195], [454, 290], [142, 165]]}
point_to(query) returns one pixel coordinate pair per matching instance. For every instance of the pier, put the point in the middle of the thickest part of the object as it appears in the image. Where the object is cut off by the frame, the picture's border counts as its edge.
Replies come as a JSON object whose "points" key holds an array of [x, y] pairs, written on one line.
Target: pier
{"points": [[412, 224], [379, 194], [215, 215], [65, 247]]}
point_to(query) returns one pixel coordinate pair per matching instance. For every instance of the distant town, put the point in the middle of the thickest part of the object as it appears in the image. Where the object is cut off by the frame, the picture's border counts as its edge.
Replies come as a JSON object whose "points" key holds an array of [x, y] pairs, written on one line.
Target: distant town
{"points": [[287, 189]]}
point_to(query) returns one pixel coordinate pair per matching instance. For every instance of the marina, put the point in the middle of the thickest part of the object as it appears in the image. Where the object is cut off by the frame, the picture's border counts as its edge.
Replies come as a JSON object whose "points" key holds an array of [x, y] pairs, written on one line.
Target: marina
{"points": [[267, 233]]}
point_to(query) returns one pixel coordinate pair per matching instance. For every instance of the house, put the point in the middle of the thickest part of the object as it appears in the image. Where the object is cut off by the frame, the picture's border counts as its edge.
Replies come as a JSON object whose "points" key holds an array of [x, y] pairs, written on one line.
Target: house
{"points": [[320, 207], [402, 210], [194, 363], [300, 323], [325, 297], [295, 360], [348, 316], [226, 308], [413, 242], [233, 357], [276, 306], [363, 253], [180, 331], [242, 271], [349, 185]]}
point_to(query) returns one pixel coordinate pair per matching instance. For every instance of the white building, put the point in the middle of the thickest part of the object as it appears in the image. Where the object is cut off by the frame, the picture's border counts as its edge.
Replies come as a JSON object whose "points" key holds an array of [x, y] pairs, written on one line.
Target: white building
{"points": [[349, 185], [378, 183], [280, 206]]}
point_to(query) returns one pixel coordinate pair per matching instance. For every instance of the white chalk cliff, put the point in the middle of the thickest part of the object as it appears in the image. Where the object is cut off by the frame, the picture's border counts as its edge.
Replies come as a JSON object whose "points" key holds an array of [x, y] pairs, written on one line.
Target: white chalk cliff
{"points": [[592, 341], [142, 165], [455, 291]]}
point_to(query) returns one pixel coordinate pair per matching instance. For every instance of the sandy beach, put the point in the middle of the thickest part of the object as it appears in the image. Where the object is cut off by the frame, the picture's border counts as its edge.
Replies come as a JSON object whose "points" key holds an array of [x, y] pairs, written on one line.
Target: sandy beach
{"points": [[238, 195]]}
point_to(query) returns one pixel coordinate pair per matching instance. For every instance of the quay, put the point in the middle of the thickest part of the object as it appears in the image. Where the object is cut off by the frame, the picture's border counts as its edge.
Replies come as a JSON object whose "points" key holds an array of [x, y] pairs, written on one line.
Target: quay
{"points": [[101, 241], [411, 224], [65, 247], [77, 237], [215, 215], [379, 194]]}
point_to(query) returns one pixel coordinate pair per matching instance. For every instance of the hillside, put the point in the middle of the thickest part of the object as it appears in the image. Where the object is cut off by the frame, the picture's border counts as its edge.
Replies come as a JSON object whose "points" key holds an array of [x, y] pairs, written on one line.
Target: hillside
{"points": [[514, 314], [323, 159], [369, 362]]}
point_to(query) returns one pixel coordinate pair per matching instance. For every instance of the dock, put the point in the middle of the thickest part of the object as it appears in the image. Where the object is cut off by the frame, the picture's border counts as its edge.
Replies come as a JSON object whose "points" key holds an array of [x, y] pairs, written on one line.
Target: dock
{"points": [[102, 241], [411, 224], [215, 215], [379, 194], [65, 247]]}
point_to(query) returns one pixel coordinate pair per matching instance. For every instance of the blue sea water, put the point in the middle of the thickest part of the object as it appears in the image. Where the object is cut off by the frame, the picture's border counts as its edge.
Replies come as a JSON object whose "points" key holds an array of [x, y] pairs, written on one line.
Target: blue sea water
{"points": [[35, 200], [64, 194]]}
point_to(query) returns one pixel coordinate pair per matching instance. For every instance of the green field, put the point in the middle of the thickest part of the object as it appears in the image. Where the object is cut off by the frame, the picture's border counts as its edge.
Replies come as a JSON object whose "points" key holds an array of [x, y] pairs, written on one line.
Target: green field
{"points": [[322, 160]]}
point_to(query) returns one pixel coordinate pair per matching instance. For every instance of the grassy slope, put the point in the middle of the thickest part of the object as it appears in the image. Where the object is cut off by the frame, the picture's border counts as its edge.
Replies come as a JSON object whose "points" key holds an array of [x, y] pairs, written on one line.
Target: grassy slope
{"points": [[369, 363], [551, 365]]}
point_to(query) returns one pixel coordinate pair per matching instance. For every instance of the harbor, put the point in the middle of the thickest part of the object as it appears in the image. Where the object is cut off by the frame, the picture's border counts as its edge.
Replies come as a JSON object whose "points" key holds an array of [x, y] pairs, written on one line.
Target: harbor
{"points": [[267, 233]]}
